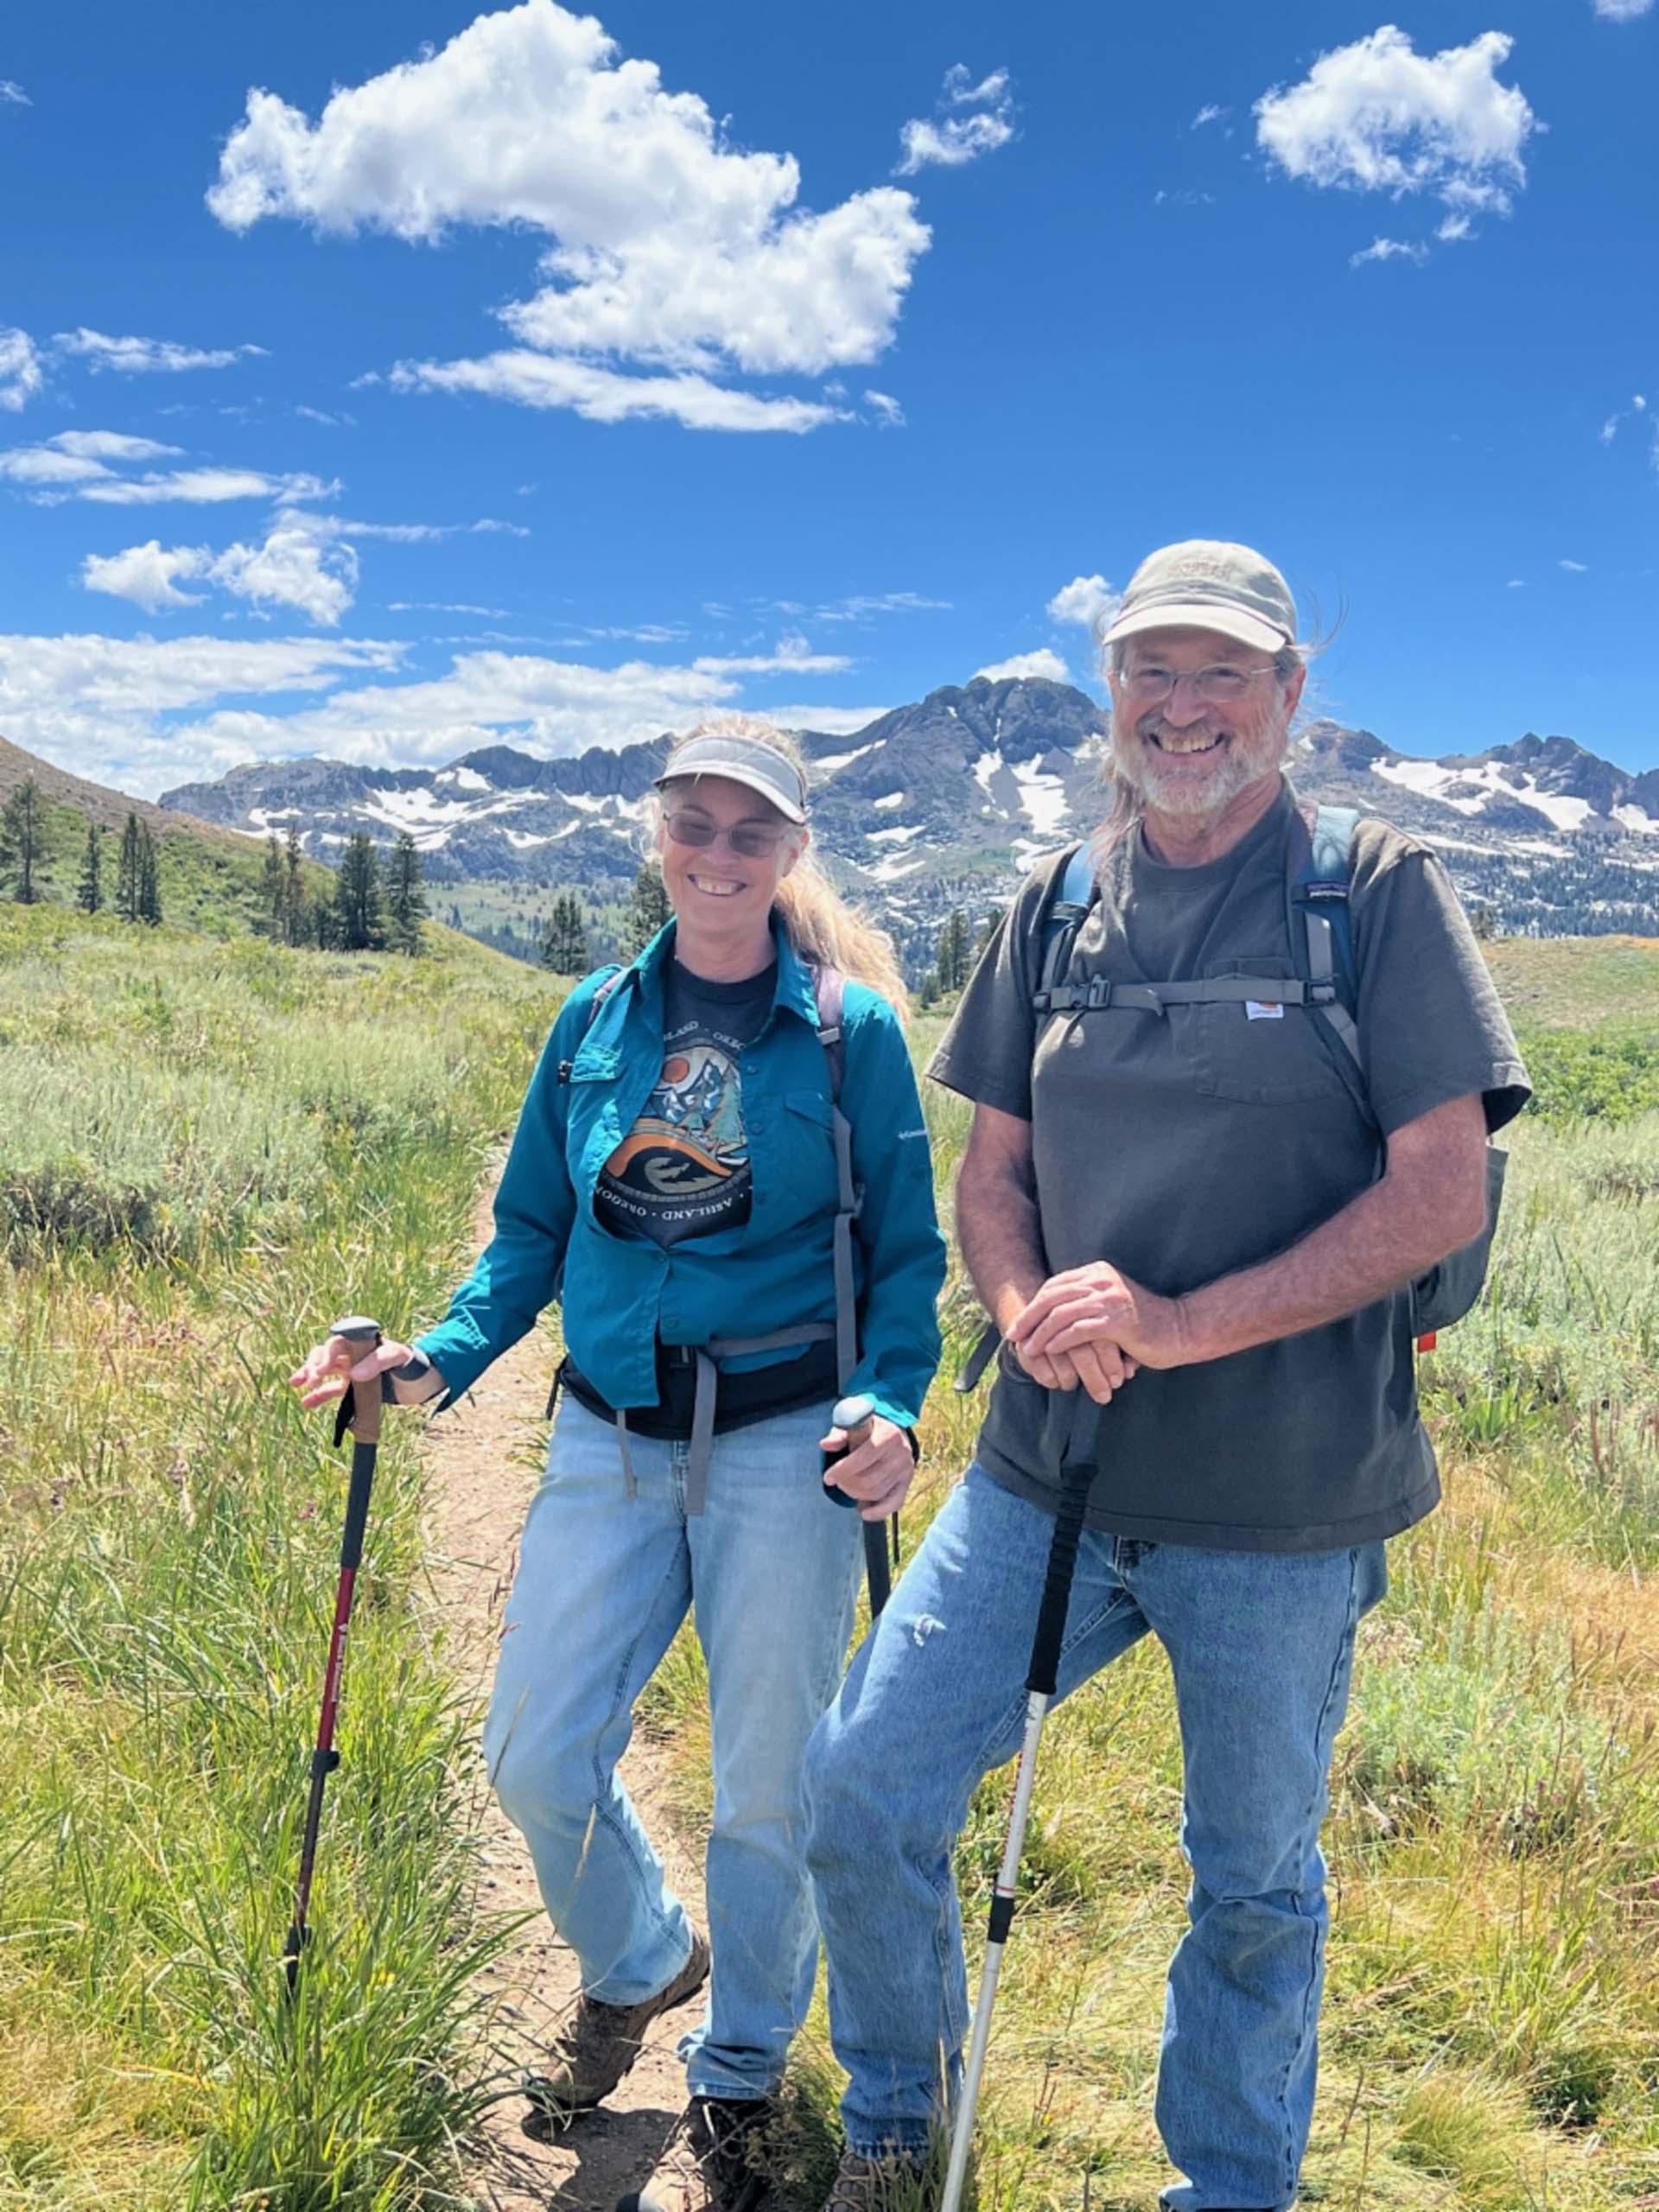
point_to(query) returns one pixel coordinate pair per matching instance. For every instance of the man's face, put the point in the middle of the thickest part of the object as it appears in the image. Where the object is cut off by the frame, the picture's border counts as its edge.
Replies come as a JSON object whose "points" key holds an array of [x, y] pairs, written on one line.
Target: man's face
{"points": [[1191, 756]]}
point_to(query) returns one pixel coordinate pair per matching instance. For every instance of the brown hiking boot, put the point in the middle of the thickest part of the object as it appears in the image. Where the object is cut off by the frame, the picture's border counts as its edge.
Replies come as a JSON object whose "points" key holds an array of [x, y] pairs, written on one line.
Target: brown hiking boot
{"points": [[600, 2042], [889, 2185], [712, 2162]]}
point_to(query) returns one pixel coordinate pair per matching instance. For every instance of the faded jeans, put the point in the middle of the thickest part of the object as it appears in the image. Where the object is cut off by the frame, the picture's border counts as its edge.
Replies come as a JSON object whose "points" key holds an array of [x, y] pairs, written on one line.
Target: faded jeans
{"points": [[1261, 1645], [770, 1570]]}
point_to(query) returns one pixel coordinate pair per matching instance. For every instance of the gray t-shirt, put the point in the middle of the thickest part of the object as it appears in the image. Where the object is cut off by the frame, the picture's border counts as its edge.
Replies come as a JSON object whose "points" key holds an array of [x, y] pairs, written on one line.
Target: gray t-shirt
{"points": [[1185, 1145], [682, 1169]]}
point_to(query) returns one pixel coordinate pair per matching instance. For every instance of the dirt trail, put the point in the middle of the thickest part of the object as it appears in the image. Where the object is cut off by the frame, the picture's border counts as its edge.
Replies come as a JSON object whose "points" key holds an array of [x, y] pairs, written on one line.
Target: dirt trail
{"points": [[481, 1475]]}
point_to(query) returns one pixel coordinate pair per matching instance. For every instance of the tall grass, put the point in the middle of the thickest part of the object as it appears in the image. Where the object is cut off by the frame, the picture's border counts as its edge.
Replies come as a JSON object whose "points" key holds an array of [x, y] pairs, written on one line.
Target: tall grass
{"points": [[309, 1131], [288, 1135]]}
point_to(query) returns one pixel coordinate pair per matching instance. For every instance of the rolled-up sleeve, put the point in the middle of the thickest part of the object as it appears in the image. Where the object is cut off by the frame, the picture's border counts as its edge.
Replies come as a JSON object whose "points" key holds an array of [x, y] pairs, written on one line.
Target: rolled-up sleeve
{"points": [[898, 1229]]}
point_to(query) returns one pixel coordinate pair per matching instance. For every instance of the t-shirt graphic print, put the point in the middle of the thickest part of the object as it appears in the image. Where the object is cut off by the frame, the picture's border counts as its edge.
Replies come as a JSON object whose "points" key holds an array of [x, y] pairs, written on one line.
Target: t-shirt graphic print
{"points": [[682, 1169]]}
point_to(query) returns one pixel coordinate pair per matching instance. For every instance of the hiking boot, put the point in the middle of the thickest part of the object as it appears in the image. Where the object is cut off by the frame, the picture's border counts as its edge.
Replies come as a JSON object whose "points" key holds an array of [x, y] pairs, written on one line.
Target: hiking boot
{"points": [[711, 2163], [600, 2042], [887, 2185]]}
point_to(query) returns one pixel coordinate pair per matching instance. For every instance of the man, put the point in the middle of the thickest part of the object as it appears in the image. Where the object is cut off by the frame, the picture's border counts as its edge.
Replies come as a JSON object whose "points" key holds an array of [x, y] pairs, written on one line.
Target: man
{"points": [[1194, 1228]]}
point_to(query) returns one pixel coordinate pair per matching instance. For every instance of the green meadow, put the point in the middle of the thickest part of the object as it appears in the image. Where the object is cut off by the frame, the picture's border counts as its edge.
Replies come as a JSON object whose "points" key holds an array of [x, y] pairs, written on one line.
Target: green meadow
{"points": [[208, 1147]]}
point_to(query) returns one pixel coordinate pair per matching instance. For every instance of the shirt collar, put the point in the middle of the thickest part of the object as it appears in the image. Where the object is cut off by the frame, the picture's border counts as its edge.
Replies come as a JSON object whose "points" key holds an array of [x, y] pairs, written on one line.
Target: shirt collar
{"points": [[794, 992]]}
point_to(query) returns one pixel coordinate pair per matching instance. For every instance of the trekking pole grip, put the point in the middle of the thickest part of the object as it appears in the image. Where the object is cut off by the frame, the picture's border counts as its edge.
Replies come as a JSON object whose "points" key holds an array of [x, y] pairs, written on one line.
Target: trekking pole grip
{"points": [[1057, 1583], [360, 1412]]}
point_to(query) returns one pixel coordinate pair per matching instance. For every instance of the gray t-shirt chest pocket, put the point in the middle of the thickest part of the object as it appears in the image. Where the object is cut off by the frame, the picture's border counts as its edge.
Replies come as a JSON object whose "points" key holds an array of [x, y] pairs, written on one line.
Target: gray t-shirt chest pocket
{"points": [[1257, 1051]]}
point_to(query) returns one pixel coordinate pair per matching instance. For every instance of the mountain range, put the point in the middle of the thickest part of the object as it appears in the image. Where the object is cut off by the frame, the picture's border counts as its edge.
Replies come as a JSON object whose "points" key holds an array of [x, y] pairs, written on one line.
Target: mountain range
{"points": [[949, 801]]}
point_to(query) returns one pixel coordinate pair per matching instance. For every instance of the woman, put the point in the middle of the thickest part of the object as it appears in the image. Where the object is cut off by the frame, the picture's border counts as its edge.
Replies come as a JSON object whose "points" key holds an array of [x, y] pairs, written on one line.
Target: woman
{"points": [[673, 1179]]}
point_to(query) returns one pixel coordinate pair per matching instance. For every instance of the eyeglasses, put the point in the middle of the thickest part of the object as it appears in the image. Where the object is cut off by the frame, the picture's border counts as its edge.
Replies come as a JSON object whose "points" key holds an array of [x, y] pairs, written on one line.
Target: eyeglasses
{"points": [[750, 840], [1150, 682]]}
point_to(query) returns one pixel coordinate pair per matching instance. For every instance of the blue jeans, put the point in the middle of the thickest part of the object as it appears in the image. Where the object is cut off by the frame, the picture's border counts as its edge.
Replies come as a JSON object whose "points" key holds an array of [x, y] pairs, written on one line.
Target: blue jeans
{"points": [[1261, 1645], [771, 1567]]}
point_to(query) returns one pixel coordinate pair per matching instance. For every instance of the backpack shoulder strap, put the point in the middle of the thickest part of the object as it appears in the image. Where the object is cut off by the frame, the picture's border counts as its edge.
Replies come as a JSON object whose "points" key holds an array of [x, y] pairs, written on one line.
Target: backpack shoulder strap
{"points": [[1319, 865], [828, 990], [1075, 893]]}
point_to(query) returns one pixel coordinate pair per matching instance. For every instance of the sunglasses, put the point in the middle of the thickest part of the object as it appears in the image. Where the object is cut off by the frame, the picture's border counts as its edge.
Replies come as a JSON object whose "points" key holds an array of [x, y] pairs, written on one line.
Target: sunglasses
{"points": [[750, 840]]}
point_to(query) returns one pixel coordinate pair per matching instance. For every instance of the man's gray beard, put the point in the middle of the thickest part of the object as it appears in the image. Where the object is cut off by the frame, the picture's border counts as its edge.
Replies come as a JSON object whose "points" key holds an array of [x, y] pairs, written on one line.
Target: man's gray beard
{"points": [[1141, 772]]}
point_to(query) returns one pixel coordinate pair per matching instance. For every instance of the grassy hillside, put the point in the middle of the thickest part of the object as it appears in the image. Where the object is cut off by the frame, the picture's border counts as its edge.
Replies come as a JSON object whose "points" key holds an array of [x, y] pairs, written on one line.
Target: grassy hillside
{"points": [[208, 1147]]}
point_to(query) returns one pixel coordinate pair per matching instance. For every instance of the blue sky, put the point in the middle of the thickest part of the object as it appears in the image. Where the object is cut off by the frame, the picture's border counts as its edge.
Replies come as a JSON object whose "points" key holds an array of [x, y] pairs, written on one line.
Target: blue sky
{"points": [[383, 381]]}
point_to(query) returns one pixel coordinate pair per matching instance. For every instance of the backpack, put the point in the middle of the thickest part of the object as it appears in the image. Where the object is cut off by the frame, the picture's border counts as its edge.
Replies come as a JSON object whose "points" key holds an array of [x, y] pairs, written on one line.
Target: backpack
{"points": [[1317, 874]]}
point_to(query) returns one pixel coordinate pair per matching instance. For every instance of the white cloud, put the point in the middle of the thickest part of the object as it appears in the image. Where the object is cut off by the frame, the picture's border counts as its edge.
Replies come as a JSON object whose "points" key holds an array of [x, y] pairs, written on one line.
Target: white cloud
{"points": [[1515, 583], [295, 567], [790, 655], [1455, 229], [669, 248], [12, 94], [204, 486], [1378, 116], [418, 533], [147, 575], [1089, 602], [1207, 113], [1610, 429], [111, 445], [445, 607], [1043, 662], [859, 606], [342, 421], [889, 412], [147, 356], [1622, 11], [96, 704], [21, 373], [1389, 249], [603, 396], [1576, 568], [971, 120], [833, 722]]}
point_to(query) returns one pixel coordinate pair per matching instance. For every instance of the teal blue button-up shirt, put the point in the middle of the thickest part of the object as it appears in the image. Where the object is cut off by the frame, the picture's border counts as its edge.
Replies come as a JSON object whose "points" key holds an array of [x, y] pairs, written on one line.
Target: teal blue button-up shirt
{"points": [[621, 1295]]}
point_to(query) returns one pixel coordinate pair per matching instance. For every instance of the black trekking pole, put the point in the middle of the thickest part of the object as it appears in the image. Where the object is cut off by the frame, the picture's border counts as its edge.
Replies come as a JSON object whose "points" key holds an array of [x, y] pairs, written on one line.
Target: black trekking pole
{"points": [[1040, 1684], [855, 1415], [358, 1411]]}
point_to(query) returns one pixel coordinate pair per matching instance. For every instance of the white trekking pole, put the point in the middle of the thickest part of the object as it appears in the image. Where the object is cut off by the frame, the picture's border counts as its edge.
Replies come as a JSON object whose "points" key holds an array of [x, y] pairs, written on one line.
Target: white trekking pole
{"points": [[1039, 1688]]}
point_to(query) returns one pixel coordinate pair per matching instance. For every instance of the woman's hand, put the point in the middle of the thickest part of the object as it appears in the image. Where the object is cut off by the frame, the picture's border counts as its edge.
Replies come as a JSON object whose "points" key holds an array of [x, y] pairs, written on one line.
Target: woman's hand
{"points": [[878, 1474], [326, 1369]]}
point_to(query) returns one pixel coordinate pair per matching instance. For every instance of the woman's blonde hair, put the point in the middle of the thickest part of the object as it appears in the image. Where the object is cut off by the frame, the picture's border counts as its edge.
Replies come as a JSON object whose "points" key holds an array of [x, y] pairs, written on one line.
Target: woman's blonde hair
{"points": [[823, 928]]}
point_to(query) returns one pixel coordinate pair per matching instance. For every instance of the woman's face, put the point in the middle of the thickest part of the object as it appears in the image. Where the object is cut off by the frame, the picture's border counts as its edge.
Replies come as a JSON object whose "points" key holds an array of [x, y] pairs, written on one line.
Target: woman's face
{"points": [[716, 890]]}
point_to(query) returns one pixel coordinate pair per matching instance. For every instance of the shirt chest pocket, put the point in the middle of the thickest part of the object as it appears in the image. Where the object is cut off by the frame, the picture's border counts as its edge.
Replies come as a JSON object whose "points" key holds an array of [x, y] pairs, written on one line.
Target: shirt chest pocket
{"points": [[793, 1147], [1259, 1052]]}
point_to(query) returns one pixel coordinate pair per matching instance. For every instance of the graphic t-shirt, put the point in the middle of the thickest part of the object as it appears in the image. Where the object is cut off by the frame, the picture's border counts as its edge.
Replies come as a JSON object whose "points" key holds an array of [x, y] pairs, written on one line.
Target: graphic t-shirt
{"points": [[682, 1170]]}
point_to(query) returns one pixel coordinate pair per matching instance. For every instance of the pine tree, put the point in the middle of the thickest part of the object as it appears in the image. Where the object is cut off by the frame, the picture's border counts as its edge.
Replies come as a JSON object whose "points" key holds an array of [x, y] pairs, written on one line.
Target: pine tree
{"points": [[293, 890], [273, 893], [406, 898], [646, 910], [564, 949], [89, 894], [955, 954], [23, 855], [128, 873], [149, 882], [987, 930], [358, 924]]}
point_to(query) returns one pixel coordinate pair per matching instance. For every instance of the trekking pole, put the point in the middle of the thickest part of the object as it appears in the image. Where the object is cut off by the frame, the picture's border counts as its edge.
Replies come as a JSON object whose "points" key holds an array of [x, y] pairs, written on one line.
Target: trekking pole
{"points": [[855, 1415], [1040, 1684], [360, 1411]]}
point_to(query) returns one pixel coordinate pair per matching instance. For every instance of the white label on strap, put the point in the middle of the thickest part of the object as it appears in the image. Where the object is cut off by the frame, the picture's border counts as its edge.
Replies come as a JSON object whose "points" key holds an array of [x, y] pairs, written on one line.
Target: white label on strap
{"points": [[1263, 1010]]}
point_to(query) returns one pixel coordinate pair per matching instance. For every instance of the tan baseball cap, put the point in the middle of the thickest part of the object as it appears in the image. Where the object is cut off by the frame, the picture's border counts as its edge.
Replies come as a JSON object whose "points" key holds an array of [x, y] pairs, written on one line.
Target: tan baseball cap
{"points": [[1203, 583]]}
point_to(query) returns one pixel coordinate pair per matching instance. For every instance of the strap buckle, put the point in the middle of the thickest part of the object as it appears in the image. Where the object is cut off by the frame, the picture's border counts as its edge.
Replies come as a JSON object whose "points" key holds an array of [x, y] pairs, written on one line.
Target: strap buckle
{"points": [[1099, 993]]}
